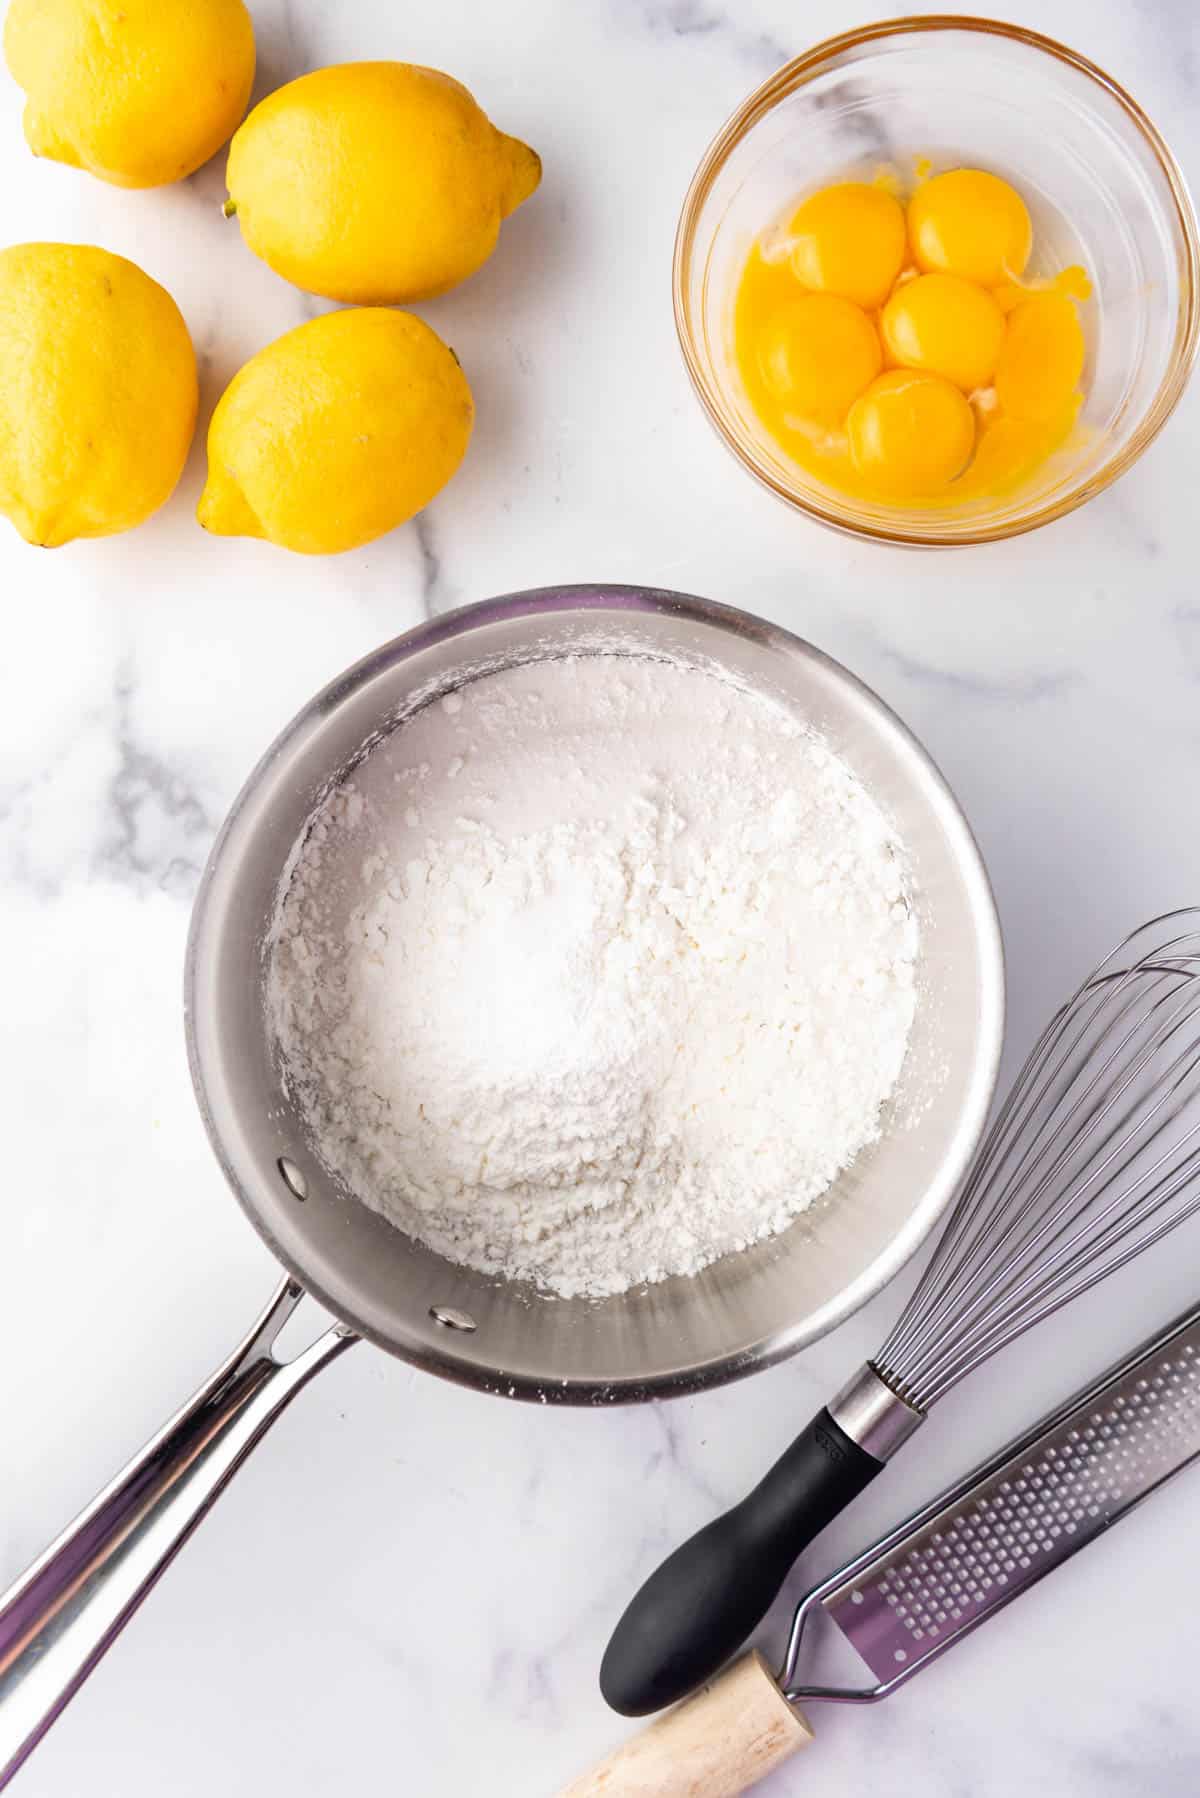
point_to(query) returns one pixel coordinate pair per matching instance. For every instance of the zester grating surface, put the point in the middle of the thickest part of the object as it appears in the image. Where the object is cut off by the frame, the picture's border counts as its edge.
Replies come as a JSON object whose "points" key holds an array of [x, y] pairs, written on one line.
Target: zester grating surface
{"points": [[1026, 1514]]}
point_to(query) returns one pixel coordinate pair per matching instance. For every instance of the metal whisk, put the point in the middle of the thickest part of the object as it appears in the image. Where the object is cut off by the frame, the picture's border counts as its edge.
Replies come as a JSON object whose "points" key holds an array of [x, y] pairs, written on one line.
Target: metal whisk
{"points": [[1093, 1157], [1091, 1160]]}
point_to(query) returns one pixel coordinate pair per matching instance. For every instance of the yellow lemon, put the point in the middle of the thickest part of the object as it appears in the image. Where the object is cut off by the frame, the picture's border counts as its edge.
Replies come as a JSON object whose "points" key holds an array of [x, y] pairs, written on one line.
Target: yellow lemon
{"points": [[139, 92], [375, 182], [336, 432], [97, 392]]}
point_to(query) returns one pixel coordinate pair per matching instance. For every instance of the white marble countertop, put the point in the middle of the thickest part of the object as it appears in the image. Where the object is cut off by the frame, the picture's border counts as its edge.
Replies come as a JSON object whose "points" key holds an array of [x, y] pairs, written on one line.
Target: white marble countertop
{"points": [[408, 1588]]}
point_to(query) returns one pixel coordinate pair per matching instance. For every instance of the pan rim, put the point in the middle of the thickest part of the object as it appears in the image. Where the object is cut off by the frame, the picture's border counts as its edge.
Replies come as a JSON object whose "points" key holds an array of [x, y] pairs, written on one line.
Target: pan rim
{"points": [[927, 1209]]}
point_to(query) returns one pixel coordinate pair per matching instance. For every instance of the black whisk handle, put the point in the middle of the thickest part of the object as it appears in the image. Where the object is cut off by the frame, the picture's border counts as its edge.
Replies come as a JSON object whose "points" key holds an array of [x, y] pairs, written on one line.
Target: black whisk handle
{"points": [[701, 1604]]}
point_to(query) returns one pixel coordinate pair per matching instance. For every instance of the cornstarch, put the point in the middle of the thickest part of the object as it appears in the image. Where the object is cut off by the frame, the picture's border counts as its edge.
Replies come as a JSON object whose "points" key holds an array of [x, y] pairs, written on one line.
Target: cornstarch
{"points": [[594, 971]]}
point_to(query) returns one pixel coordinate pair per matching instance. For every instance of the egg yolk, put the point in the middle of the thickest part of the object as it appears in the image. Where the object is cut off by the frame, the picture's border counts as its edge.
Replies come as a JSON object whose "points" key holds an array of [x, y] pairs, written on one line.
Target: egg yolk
{"points": [[969, 223], [910, 433], [1042, 358], [1073, 282], [848, 240], [817, 354], [856, 357], [1007, 451], [947, 326]]}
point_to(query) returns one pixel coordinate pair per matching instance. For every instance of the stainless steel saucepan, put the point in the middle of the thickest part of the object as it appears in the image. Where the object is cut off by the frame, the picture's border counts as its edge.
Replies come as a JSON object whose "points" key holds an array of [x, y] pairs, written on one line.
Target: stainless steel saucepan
{"points": [[679, 1336]]}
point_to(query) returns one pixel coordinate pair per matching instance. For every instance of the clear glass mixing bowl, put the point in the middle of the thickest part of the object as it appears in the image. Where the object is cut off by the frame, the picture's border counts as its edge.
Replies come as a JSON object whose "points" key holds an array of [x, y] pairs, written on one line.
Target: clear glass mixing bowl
{"points": [[1102, 187]]}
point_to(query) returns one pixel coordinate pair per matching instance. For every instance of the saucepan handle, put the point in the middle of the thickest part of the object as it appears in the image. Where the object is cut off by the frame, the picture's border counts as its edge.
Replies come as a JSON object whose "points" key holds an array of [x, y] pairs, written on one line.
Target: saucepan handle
{"points": [[60, 1616], [697, 1609]]}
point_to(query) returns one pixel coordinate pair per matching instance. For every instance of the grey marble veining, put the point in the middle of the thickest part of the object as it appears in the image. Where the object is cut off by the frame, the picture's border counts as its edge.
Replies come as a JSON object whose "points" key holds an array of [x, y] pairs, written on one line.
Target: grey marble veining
{"points": [[409, 1587]]}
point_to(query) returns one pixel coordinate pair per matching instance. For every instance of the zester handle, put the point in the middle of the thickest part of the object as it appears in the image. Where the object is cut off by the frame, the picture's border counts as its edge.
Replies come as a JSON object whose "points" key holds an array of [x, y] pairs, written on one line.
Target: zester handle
{"points": [[716, 1744]]}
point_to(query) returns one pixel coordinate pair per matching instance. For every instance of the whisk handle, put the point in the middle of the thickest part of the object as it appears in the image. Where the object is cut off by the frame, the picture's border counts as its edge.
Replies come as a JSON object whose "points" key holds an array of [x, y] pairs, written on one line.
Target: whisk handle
{"points": [[698, 1607]]}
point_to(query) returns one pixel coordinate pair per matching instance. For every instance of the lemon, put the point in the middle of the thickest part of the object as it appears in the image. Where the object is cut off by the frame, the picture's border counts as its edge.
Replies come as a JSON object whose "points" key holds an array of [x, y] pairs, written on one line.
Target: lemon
{"points": [[97, 392], [139, 92], [336, 432], [375, 182]]}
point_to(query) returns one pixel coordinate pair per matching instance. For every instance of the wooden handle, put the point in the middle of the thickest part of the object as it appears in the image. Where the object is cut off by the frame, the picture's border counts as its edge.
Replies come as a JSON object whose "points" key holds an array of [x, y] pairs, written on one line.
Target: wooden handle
{"points": [[722, 1741]]}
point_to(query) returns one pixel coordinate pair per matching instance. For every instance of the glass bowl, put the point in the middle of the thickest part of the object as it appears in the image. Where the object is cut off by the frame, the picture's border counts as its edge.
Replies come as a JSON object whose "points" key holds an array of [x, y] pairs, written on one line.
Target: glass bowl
{"points": [[1100, 183]]}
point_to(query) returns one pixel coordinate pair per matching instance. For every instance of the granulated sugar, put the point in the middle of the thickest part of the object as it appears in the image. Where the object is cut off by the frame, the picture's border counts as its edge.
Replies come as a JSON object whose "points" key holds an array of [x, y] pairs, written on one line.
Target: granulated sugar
{"points": [[594, 971]]}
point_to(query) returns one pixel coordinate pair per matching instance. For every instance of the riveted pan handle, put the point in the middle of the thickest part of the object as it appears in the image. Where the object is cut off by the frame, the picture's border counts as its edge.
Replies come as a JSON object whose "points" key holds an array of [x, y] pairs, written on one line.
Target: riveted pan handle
{"points": [[60, 1616]]}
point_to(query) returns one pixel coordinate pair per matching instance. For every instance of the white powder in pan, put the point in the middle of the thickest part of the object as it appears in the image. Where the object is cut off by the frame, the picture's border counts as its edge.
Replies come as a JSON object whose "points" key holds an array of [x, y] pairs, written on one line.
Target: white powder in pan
{"points": [[595, 971]]}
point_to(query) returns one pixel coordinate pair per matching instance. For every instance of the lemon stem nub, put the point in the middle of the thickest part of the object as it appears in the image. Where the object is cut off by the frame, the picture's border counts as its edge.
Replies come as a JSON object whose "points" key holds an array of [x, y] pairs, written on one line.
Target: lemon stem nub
{"points": [[229, 207], [524, 172]]}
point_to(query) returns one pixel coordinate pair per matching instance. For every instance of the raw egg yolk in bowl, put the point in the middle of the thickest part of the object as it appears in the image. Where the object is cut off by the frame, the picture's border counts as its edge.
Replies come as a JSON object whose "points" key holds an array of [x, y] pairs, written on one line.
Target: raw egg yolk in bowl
{"points": [[893, 347]]}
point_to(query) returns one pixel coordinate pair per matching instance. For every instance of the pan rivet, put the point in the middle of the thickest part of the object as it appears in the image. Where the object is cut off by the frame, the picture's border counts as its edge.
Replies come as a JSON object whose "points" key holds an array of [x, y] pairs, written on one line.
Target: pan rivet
{"points": [[293, 1179], [450, 1319]]}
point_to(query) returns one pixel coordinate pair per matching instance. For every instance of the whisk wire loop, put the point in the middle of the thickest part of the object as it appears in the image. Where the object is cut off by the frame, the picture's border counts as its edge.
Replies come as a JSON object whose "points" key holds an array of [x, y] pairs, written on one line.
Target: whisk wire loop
{"points": [[1094, 1156]]}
